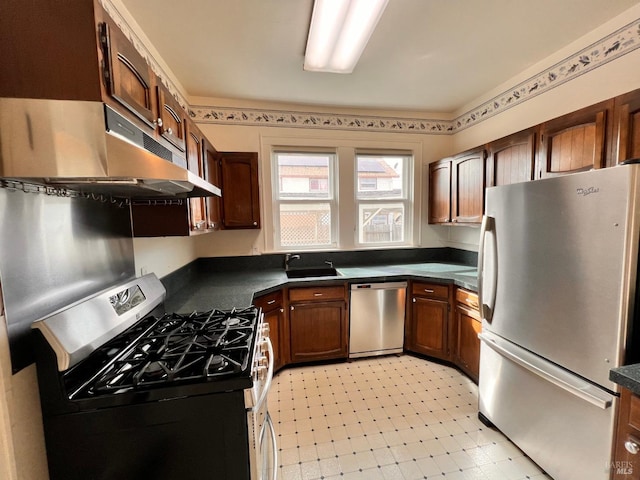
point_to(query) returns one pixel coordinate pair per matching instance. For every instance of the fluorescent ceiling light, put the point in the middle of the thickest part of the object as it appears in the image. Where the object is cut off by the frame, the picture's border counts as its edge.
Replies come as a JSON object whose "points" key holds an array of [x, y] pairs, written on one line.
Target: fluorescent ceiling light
{"points": [[340, 29]]}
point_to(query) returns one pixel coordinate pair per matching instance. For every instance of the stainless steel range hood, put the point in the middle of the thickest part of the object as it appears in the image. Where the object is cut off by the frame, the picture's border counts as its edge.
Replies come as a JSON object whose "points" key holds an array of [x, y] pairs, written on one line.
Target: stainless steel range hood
{"points": [[90, 148]]}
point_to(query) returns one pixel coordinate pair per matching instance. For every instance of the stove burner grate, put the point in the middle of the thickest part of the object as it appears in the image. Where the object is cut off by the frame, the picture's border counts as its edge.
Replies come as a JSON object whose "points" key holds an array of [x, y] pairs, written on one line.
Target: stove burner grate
{"points": [[183, 348]]}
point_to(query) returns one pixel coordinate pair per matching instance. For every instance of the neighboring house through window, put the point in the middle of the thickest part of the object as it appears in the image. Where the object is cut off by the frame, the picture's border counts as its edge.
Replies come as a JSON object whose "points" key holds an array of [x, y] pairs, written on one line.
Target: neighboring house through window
{"points": [[383, 198], [304, 201]]}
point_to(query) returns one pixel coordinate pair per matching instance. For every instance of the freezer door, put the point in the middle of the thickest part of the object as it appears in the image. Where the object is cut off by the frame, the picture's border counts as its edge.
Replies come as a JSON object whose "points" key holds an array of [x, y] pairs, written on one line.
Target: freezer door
{"points": [[558, 267], [560, 421]]}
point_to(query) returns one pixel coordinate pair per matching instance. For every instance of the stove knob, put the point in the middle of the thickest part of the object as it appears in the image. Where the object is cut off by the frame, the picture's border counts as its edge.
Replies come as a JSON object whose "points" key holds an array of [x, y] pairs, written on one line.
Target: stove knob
{"points": [[264, 348], [263, 361], [265, 329]]}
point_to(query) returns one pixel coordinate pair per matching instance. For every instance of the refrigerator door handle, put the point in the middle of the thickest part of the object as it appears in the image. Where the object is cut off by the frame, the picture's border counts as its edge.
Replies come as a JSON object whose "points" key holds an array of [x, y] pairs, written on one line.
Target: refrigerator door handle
{"points": [[486, 310], [567, 381]]}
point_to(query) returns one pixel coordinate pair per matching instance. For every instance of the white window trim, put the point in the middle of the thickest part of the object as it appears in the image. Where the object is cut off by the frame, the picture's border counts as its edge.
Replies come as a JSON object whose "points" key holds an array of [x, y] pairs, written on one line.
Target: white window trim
{"points": [[345, 144], [332, 200]]}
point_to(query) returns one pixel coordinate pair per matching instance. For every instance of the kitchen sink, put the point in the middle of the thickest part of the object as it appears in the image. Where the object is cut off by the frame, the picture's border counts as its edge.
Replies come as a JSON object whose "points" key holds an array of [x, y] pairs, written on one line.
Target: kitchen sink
{"points": [[312, 272]]}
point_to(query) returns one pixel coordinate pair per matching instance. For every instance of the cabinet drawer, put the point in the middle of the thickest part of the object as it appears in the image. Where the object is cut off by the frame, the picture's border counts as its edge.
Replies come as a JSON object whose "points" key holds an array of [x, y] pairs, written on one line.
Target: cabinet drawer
{"points": [[467, 298], [269, 301], [430, 290], [316, 293]]}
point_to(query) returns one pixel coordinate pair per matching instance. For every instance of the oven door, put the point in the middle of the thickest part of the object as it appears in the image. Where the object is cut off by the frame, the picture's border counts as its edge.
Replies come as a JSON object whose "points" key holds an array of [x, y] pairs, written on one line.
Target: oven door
{"points": [[263, 451]]}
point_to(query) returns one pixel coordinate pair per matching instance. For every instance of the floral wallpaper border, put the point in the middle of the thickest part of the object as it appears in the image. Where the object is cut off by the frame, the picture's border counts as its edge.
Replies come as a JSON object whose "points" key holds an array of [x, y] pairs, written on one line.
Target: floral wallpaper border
{"points": [[614, 45]]}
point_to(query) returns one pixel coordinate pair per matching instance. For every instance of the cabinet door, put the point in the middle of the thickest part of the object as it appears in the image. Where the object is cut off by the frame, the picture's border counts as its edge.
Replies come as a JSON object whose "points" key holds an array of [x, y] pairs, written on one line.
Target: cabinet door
{"points": [[627, 127], [467, 344], [511, 159], [467, 187], [127, 74], [318, 331], [574, 142], [194, 148], [440, 192], [212, 175], [429, 327], [171, 118], [194, 151], [273, 309], [240, 192]]}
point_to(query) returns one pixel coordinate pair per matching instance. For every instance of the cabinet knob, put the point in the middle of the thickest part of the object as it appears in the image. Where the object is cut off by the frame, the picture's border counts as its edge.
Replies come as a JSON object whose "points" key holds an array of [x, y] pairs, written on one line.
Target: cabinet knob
{"points": [[282, 310], [414, 300], [631, 447], [169, 131], [158, 122], [255, 224], [291, 307]]}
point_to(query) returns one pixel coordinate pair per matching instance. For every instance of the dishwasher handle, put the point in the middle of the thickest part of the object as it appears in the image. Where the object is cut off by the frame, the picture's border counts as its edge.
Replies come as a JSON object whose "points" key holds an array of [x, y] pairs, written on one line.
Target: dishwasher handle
{"points": [[378, 286]]}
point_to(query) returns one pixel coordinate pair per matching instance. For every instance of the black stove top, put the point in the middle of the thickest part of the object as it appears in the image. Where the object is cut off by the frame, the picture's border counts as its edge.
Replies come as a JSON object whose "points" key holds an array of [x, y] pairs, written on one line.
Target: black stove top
{"points": [[174, 349]]}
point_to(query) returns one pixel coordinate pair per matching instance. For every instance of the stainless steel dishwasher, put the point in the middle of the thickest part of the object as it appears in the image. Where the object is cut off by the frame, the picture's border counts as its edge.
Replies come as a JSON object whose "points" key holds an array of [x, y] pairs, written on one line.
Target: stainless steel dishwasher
{"points": [[377, 318]]}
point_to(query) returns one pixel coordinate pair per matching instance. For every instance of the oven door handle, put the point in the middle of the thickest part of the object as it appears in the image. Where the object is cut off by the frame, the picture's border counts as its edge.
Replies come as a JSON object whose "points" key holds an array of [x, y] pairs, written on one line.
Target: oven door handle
{"points": [[274, 445], [267, 383]]}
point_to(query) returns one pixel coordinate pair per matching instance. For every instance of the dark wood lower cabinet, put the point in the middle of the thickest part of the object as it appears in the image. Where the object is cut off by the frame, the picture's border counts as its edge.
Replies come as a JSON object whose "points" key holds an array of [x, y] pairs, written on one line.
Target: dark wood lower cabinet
{"points": [[626, 464], [467, 326], [274, 315], [318, 331], [429, 320], [432, 330]]}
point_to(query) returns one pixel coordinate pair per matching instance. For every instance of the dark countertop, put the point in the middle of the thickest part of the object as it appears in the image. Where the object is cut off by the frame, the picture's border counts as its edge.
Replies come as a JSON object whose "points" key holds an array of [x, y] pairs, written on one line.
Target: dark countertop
{"points": [[627, 376], [228, 289]]}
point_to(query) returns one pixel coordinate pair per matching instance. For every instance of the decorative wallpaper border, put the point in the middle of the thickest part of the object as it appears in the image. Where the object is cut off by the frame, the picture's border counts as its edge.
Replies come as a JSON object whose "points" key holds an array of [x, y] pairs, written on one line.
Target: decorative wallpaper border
{"points": [[331, 121], [614, 45]]}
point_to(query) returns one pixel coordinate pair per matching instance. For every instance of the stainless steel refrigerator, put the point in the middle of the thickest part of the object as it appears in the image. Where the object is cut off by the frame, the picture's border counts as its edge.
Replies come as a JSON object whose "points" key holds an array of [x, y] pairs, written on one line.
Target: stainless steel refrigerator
{"points": [[557, 282]]}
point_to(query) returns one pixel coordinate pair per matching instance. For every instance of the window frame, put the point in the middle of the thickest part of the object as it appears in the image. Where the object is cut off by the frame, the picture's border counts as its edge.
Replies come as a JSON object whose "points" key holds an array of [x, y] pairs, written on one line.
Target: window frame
{"points": [[331, 199], [406, 199]]}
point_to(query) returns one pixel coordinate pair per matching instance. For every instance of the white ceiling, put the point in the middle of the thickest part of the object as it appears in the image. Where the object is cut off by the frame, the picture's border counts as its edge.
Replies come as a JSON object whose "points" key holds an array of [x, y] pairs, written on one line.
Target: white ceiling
{"points": [[427, 55]]}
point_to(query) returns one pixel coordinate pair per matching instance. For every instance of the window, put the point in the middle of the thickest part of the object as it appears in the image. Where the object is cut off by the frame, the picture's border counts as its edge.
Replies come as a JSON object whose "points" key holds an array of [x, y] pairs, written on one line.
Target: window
{"points": [[383, 198], [304, 203]]}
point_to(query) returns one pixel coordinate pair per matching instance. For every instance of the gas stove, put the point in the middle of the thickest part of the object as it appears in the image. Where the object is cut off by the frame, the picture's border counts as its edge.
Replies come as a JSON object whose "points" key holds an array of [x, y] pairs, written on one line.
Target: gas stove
{"points": [[201, 347], [116, 374]]}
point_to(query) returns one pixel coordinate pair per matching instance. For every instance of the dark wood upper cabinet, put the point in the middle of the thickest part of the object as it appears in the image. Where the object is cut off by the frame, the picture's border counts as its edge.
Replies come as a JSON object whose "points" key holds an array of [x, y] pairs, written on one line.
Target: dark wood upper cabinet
{"points": [[240, 190], [212, 173], [127, 75], [467, 186], [575, 142], [511, 159], [626, 127], [171, 118], [194, 148], [440, 191], [456, 188], [52, 53]]}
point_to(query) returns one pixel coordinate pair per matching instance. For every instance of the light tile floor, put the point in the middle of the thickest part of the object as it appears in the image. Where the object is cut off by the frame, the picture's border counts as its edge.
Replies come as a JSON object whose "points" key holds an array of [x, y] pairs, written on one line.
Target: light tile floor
{"points": [[393, 417]]}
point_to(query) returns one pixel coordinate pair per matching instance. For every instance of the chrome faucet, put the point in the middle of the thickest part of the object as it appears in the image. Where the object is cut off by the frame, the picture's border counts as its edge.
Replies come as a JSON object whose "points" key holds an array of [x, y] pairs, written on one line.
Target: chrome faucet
{"points": [[288, 257]]}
